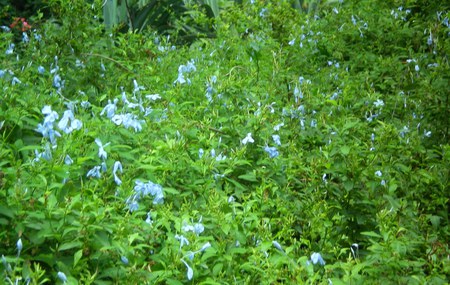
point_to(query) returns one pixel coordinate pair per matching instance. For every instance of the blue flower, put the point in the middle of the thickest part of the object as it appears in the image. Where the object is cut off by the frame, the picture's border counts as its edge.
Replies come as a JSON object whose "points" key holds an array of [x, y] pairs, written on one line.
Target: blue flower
{"points": [[183, 241], [276, 139], [124, 260], [10, 49], [248, 139], [190, 272], [149, 219], [277, 245], [101, 151], [62, 277], [57, 82], [68, 160], [272, 151], [41, 69], [75, 124], [94, 172], [317, 258], [110, 108], [117, 167], [19, 246]]}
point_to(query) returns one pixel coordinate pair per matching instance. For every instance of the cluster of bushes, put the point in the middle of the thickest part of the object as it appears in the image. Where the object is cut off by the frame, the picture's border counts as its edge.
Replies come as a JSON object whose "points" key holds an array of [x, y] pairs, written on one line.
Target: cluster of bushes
{"points": [[254, 142]]}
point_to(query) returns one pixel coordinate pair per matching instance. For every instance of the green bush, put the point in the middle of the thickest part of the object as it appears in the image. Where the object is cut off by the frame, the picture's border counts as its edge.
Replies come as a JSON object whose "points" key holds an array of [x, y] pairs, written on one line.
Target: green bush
{"points": [[290, 148]]}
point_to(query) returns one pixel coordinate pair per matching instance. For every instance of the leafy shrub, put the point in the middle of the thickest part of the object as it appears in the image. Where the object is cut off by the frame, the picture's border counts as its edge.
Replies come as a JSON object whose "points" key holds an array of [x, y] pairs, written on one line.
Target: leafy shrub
{"points": [[291, 148]]}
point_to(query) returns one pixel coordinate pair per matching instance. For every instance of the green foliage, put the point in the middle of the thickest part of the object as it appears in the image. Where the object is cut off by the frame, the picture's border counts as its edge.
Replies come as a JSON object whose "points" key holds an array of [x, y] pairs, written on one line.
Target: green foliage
{"points": [[245, 158]]}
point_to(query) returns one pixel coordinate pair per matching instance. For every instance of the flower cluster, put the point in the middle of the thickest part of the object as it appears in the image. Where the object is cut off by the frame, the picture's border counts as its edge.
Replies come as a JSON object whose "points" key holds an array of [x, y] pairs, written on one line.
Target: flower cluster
{"points": [[182, 70], [141, 190]]}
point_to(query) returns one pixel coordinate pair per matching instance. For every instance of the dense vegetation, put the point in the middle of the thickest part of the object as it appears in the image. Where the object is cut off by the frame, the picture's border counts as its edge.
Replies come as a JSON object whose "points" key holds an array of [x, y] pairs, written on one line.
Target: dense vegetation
{"points": [[268, 143]]}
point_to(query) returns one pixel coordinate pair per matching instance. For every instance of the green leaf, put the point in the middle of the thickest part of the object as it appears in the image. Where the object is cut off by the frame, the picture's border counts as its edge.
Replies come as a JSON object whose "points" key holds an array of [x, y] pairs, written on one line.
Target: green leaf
{"points": [[371, 234], [77, 256], [70, 245], [345, 150], [248, 177]]}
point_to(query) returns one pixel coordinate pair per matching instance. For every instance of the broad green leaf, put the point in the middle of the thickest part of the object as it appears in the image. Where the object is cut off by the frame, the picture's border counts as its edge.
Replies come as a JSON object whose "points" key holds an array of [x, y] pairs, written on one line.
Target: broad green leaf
{"points": [[77, 256], [70, 245]]}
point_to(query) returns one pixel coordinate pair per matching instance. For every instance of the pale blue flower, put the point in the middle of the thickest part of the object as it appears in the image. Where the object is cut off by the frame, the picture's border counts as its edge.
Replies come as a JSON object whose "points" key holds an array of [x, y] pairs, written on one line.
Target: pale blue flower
{"points": [[272, 151], [128, 120], [292, 42], [62, 277], [190, 272], [10, 49], [378, 173], [25, 38], [378, 103], [149, 219], [317, 258], [15, 81], [248, 139], [110, 109], [231, 199], [58, 83], [198, 228], [153, 97], [41, 69], [75, 124], [277, 245], [213, 153], [277, 127], [200, 152], [6, 264], [94, 172], [117, 167], [205, 246], [137, 87], [263, 12], [143, 189], [416, 68], [68, 160], [19, 246], [101, 151], [85, 104], [183, 241], [124, 260]]}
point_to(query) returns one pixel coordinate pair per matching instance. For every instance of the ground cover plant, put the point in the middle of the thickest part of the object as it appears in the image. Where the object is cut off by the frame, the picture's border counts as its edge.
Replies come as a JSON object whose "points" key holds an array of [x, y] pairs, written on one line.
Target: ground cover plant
{"points": [[288, 147]]}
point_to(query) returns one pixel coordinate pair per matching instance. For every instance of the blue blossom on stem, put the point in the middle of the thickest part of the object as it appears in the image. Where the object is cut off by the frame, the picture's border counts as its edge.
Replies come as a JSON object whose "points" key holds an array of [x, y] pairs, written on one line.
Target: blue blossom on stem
{"points": [[248, 139], [117, 167], [94, 172], [62, 277], [19, 246], [58, 83], [41, 69], [277, 245], [6, 265], [144, 189], [272, 151], [183, 241], [149, 219], [317, 258], [10, 49], [68, 160], [46, 129], [75, 124], [276, 139], [101, 151], [128, 120], [190, 272], [110, 108], [124, 260]]}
